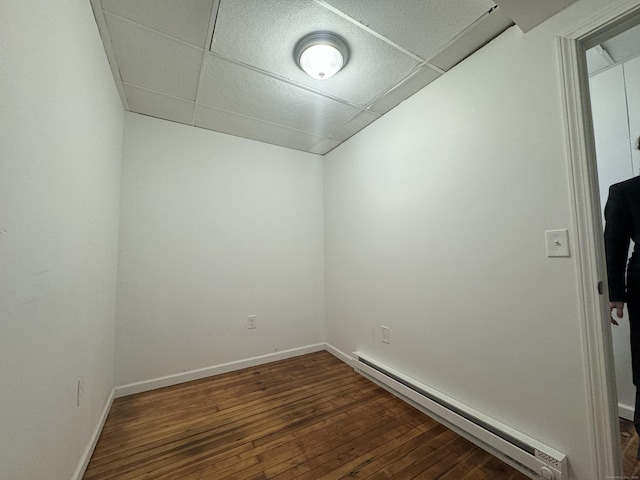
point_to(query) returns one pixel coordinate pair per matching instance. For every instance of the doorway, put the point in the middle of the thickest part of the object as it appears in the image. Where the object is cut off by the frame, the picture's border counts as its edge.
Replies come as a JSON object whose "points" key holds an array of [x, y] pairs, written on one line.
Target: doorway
{"points": [[614, 86], [587, 211]]}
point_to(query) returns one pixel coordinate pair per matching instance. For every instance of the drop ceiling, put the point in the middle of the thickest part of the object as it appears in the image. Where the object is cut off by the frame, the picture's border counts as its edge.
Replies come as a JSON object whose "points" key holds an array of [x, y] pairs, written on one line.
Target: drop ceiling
{"points": [[228, 66]]}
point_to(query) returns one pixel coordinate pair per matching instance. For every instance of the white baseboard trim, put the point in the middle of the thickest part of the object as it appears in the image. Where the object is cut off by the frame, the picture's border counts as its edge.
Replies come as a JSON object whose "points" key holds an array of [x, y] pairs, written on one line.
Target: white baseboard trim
{"points": [[175, 379], [86, 456], [346, 358], [625, 411]]}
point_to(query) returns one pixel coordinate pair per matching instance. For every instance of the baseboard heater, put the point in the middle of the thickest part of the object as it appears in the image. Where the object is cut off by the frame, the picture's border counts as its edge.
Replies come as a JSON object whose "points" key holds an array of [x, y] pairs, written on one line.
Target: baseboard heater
{"points": [[528, 455]]}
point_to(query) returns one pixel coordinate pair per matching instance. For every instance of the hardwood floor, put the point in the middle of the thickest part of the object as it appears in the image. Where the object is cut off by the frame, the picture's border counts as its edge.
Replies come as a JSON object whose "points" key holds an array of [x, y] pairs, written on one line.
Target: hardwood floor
{"points": [[629, 447], [310, 417]]}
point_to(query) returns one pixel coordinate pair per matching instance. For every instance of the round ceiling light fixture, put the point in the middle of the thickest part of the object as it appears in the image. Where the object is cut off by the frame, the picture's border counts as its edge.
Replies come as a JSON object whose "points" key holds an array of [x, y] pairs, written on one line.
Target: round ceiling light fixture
{"points": [[321, 55]]}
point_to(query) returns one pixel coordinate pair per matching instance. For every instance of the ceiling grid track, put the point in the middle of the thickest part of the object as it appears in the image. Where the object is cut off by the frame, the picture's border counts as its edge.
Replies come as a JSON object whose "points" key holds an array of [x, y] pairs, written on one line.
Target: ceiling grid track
{"points": [[368, 30], [101, 22], [213, 18]]}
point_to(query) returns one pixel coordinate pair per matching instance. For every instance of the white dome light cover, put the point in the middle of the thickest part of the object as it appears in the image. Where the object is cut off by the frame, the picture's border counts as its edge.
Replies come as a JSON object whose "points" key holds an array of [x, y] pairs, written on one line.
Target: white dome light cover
{"points": [[321, 55]]}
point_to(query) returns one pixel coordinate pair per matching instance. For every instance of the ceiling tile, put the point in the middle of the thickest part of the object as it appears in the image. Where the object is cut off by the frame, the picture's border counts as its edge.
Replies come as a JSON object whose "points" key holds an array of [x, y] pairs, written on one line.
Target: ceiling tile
{"points": [[354, 125], [625, 45], [186, 19], [417, 81], [154, 61], [264, 34], [160, 106], [249, 84], [234, 88], [527, 16], [251, 128], [475, 37], [598, 59], [324, 146], [421, 27]]}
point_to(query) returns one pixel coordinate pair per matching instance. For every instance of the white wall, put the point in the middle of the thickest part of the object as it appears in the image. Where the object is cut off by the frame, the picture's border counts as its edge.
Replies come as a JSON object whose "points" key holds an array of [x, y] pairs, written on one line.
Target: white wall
{"points": [[615, 101], [214, 228], [435, 221], [60, 149]]}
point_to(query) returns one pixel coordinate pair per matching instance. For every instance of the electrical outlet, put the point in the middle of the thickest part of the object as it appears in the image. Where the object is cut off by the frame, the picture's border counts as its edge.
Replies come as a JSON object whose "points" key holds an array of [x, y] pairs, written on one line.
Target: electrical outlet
{"points": [[385, 334], [79, 391], [251, 322]]}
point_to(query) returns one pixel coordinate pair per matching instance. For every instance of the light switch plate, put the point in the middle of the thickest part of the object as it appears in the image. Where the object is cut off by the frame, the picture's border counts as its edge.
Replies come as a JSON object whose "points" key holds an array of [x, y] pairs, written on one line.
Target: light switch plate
{"points": [[557, 243], [385, 334]]}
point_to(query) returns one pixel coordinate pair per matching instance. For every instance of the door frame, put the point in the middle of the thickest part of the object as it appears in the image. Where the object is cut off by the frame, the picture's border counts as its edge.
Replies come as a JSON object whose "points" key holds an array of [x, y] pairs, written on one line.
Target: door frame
{"points": [[601, 394]]}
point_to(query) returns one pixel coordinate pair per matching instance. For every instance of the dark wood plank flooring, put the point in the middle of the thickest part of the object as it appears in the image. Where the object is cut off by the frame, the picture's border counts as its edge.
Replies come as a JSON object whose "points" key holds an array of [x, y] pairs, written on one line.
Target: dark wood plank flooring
{"points": [[310, 417]]}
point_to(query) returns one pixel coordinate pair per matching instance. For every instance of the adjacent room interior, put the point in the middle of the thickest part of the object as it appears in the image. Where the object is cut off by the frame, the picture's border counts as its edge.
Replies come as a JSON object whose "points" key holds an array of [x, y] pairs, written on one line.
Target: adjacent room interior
{"points": [[175, 205], [614, 84]]}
